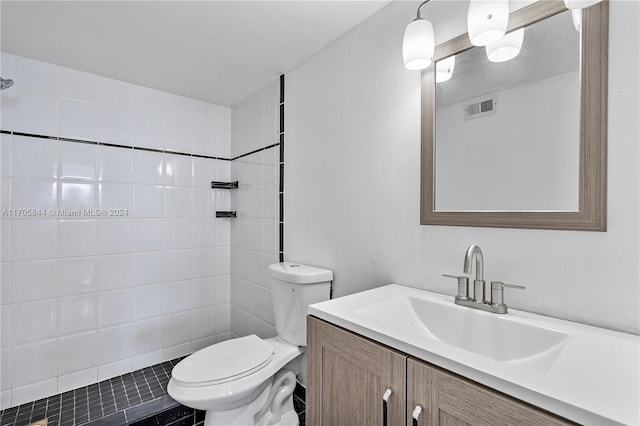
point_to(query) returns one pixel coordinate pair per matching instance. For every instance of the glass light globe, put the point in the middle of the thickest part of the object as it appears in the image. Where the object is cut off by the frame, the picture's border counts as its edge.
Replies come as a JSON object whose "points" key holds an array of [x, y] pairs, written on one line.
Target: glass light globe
{"points": [[507, 48], [579, 4], [418, 45], [444, 69], [487, 21]]}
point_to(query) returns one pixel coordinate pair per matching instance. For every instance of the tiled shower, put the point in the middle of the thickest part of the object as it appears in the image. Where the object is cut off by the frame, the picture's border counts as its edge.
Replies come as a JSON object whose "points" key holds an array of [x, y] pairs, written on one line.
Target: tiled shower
{"points": [[255, 129], [112, 258]]}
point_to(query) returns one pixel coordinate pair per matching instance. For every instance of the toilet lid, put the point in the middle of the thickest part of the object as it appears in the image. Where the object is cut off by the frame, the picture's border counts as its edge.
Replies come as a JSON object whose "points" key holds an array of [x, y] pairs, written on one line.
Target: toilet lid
{"points": [[223, 362]]}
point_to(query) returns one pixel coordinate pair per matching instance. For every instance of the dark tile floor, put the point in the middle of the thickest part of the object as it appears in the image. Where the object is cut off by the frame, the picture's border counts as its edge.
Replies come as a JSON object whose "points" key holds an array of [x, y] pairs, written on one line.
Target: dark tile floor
{"points": [[96, 401], [138, 399], [299, 398]]}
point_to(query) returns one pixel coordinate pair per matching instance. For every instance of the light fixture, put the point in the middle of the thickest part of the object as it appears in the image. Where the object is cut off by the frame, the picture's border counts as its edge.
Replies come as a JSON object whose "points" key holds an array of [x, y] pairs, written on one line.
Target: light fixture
{"points": [[507, 48], [487, 21], [444, 69], [579, 4], [576, 15], [418, 43]]}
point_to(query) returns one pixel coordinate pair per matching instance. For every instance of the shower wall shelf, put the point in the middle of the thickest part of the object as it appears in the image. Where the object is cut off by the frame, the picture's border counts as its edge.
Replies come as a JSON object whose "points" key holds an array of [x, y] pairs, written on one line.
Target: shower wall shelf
{"points": [[227, 214], [224, 185]]}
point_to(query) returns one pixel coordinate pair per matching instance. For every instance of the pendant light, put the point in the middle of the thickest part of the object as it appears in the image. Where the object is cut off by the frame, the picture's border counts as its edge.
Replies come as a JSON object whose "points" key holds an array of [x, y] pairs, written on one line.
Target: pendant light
{"points": [[418, 43], [579, 4], [487, 21], [507, 48], [444, 69]]}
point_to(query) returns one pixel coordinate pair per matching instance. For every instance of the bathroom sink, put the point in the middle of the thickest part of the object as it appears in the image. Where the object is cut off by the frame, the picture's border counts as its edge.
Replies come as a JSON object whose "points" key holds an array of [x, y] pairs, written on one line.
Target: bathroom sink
{"points": [[586, 374], [495, 336]]}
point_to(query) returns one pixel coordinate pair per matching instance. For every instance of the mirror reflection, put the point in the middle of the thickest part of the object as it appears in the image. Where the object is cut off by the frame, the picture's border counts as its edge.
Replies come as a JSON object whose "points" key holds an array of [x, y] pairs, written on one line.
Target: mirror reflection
{"points": [[507, 120]]}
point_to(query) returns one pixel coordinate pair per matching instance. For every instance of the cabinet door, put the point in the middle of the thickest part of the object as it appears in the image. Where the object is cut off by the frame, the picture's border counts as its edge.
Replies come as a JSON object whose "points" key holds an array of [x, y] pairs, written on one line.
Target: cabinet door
{"points": [[347, 377], [450, 400]]}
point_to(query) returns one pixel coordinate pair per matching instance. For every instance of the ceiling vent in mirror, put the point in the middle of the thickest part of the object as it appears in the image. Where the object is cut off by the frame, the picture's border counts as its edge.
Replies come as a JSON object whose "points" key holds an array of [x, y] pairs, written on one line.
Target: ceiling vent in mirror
{"points": [[480, 107]]}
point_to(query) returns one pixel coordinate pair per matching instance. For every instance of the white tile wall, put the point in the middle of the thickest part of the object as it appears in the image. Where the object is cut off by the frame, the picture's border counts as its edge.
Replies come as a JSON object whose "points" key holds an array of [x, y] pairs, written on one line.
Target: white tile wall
{"points": [[114, 236], [148, 336], [115, 196], [31, 239], [77, 314], [115, 164], [78, 161], [148, 235], [25, 164], [77, 352], [85, 298], [75, 196], [34, 363], [115, 344], [146, 270], [5, 153], [115, 307], [78, 85], [253, 234], [6, 327], [28, 282], [77, 237], [148, 201], [115, 272], [75, 380], [174, 326], [77, 120], [148, 167], [77, 275], [254, 121]]}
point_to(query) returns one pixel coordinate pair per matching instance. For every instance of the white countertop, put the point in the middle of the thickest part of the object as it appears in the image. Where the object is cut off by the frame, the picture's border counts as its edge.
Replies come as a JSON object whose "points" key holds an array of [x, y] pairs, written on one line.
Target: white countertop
{"points": [[594, 378]]}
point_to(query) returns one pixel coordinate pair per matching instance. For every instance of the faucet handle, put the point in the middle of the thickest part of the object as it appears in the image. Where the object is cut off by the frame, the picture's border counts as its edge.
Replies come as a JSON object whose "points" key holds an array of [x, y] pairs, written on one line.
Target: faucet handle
{"points": [[497, 292], [463, 286]]}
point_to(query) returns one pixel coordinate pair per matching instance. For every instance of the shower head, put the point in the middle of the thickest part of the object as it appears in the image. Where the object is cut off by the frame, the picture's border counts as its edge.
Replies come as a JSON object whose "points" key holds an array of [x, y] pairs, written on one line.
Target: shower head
{"points": [[5, 83]]}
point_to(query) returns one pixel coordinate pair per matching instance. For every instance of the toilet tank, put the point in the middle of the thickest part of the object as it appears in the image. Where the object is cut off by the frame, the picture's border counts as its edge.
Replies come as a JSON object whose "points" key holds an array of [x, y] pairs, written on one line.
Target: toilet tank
{"points": [[293, 288]]}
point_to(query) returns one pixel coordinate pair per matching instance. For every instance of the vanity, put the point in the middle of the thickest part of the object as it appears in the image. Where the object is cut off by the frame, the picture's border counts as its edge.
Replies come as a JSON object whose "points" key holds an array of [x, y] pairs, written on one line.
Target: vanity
{"points": [[397, 355]]}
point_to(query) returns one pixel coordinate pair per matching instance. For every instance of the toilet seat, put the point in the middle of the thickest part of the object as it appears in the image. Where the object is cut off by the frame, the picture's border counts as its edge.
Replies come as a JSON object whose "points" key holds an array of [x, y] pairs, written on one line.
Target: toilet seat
{"points": [[223, 362], [235, 391]]}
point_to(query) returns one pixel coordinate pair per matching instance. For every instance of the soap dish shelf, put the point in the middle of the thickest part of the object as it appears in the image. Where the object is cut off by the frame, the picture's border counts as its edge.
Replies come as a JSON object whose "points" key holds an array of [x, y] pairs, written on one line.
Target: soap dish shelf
{"points": [[226, 214], [224, 185]]}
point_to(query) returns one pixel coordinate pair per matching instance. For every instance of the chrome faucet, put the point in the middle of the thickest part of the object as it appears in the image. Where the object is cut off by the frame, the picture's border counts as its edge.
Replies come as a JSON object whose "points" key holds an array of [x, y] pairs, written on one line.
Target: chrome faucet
{"points": [[474, 251], [478, 299]]}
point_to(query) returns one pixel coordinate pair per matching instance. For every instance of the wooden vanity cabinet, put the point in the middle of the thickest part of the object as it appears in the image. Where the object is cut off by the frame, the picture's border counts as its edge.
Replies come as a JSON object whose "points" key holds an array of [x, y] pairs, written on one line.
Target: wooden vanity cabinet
{"points": [[348, 374], [447, 399]]}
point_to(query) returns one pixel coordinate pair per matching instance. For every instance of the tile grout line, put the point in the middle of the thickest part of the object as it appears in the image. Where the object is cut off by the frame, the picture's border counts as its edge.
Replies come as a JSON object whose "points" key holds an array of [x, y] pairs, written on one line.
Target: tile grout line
{"points": [[136, 148]]}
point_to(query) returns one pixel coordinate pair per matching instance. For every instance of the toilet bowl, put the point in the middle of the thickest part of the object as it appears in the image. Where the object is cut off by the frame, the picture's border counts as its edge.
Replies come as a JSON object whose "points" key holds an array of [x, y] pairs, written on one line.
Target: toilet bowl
{"points": [[249, 380], [213, 379]]}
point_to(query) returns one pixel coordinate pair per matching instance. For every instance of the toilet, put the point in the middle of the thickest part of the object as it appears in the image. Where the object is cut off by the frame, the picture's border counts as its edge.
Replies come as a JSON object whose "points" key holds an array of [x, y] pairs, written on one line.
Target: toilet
{"points": [[249, 380]]}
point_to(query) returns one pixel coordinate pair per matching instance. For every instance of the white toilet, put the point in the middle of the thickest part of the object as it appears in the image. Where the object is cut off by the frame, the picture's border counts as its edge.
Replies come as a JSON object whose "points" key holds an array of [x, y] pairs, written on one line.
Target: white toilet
{"points": [[248, 380]]}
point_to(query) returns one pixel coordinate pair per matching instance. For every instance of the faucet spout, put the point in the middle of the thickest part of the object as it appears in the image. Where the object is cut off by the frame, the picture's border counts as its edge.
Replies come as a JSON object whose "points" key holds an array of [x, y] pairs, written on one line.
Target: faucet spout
{"points": [[476, 296], [474, 252]]}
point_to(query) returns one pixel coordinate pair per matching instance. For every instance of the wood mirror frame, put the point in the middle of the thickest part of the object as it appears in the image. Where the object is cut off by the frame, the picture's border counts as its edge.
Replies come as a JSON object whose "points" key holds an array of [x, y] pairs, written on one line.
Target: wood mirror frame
{"points": [[592, 186]]}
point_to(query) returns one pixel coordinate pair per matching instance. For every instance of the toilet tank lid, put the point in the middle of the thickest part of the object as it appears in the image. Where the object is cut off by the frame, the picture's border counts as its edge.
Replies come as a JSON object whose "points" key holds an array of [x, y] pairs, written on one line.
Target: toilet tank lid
{"points": [[299, 274]]}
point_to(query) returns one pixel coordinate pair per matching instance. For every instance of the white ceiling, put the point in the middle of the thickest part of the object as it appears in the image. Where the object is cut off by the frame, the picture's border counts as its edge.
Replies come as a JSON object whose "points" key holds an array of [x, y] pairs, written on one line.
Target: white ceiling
{"points": [[216, 51]]}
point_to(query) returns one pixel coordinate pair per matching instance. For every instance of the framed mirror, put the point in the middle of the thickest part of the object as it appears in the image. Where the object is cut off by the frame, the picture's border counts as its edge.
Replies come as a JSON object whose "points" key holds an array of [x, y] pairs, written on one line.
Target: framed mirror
{"points": [[519, 143]]}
